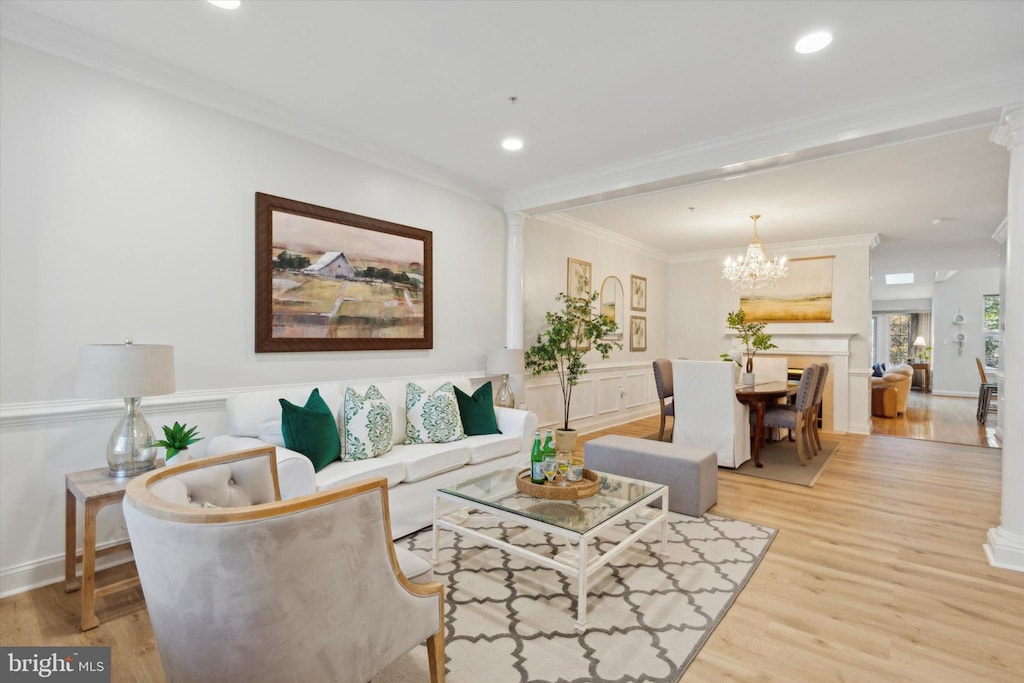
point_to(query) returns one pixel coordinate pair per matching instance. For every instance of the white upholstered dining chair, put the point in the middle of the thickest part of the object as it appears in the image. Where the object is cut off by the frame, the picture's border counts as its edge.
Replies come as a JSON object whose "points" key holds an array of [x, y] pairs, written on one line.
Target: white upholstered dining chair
{"points": [[242, 586], [707, 412]]}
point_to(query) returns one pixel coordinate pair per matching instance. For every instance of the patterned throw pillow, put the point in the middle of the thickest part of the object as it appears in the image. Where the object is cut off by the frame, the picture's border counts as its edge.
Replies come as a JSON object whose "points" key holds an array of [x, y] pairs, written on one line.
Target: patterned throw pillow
{"points": [[433, 417], [369, 426]]}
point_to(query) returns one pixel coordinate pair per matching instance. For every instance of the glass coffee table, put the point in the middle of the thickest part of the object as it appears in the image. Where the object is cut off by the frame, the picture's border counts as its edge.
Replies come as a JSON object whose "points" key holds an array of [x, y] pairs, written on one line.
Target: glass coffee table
{"points": [[577, 522]]}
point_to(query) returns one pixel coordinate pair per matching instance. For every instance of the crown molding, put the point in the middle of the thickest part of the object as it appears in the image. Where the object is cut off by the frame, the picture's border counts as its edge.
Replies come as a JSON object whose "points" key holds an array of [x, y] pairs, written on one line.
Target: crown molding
{"points": [[958, 104], [868, 240], [591, 230], [52, 37], [1000, 233]]}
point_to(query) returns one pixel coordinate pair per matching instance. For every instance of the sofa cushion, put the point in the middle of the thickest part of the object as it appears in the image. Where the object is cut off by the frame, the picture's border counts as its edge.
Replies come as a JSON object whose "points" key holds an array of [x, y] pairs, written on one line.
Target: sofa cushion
{"points": [[490, 446], [311, 430], [338, 472], [369, 426], [427, 459], [432, 417], [477, 411]]}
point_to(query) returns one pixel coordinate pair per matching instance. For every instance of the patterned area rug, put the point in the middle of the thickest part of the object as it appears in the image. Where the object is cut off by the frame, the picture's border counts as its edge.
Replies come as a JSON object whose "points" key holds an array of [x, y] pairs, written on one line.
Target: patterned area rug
{"points": [[648, 616]]}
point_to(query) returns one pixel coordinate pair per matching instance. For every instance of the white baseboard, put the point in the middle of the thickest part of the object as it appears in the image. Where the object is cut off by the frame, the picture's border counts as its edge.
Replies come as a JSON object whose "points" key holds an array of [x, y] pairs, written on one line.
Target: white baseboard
{"points": [[49, 570], [956, 394], [1004, 549]]}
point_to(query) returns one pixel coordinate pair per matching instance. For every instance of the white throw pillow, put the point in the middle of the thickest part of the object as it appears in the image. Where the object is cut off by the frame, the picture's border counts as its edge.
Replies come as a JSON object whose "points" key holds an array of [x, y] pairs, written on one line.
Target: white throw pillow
{"points": [[369, 425], [433, 417]]}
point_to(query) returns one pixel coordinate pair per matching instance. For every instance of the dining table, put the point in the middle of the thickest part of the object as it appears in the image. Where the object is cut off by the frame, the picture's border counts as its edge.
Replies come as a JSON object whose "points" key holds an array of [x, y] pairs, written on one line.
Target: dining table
{"points": [[757, 396]]}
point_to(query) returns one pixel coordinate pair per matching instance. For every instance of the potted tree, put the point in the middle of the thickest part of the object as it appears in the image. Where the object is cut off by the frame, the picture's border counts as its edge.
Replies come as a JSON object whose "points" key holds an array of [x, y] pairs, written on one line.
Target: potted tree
{"points": [[753, 337], [568, 334]]}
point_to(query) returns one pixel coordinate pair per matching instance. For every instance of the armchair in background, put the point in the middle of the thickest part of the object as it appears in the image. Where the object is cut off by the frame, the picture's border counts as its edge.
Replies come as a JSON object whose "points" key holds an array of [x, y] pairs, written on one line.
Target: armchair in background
{"points": [[900, 378], [242, 586]]}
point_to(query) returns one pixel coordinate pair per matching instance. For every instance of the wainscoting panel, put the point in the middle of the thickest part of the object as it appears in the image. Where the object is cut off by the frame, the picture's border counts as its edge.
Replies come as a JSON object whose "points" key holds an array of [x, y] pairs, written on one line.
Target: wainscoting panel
{"points": [[607, 395]]}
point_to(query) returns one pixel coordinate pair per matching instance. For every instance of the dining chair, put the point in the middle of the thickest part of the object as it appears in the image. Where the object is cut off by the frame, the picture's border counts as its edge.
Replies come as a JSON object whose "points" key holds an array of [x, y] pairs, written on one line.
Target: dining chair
{"points": [[663, 382], [795, 417], [709, 415], [985, 393], [819, 393]]}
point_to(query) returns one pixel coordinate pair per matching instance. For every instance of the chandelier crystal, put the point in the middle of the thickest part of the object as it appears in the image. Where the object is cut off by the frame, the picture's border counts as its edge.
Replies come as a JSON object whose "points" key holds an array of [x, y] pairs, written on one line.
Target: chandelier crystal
{"points": [[755, 271]]}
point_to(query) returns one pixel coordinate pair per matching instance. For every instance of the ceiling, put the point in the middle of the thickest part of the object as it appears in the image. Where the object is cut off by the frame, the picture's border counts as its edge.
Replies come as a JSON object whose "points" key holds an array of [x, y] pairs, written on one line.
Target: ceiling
{"points": [[660, 100]]}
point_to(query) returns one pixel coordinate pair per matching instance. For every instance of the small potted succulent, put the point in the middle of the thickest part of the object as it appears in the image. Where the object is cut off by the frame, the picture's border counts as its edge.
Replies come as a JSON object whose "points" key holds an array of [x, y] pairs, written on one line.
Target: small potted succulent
{"points": [[178, 438]]}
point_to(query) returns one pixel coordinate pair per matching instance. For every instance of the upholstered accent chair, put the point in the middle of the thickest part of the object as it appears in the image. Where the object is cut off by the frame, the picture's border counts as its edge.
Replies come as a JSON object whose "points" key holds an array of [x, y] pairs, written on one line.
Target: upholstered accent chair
{"points": [[796, 417], [709, 415], [663, 383], [242, 586], [900, 377]]}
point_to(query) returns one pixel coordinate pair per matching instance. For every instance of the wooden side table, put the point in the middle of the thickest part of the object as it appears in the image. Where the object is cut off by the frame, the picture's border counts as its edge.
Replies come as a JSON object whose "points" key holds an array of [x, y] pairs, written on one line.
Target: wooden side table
{"points": [[96, 489], [927, 368]]}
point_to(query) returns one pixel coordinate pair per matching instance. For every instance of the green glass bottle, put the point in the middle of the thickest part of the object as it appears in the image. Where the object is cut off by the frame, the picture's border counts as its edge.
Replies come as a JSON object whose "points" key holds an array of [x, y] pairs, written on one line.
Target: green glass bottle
{"points": [[549, 446], [537, 461]]}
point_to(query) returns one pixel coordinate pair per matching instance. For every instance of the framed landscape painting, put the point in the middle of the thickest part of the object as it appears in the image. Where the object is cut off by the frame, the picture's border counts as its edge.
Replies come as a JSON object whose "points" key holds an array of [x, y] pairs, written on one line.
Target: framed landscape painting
{"points": [[803, 296], [327, 280]]}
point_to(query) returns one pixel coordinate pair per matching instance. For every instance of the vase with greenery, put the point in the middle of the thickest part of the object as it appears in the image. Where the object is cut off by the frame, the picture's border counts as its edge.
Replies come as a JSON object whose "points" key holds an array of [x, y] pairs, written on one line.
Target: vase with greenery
{"points": [[568, 334], [178, 438], [751, 334]]}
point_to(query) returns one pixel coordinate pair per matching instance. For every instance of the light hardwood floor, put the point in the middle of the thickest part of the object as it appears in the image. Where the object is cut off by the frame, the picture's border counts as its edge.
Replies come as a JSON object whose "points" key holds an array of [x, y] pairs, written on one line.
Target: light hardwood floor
{"points": [[877, 574], [951, 419]]}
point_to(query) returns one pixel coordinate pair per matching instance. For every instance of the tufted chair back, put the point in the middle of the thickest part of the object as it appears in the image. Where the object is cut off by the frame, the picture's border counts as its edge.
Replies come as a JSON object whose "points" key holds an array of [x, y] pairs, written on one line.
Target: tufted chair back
{"points": [[242, 586]]}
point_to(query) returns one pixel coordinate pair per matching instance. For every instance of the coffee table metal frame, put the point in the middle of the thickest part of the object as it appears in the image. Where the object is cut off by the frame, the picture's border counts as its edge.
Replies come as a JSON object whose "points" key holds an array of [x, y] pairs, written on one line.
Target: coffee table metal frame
{"points": [[580, 562]]}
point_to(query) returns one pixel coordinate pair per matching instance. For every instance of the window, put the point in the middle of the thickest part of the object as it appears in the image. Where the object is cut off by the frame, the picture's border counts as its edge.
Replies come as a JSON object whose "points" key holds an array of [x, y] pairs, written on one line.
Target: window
{"points": [[990, 330], [899, 338]]}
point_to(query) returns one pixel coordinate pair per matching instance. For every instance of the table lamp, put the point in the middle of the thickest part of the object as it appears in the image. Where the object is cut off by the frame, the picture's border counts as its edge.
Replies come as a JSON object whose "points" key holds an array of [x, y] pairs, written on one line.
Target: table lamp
{"points": [[919, 344], [127, 371], [505, 362]]}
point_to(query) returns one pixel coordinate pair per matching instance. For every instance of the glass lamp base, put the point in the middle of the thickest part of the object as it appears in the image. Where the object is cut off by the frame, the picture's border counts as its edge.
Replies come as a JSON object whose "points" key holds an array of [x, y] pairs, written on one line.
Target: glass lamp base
{"points": [[130, 450], [505, 397]]}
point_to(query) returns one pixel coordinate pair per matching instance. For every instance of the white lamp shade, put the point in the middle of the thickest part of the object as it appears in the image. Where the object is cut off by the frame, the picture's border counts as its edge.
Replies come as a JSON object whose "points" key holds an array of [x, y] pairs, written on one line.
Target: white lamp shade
{"points": [[919, 342], [505, 361], [124, 370]]}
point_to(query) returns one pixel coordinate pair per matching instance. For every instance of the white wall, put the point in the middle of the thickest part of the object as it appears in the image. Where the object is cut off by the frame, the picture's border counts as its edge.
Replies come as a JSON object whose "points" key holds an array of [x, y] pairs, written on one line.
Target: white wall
{"points": [[701, 300], [956, 373], [128, 212], [622, 387]]}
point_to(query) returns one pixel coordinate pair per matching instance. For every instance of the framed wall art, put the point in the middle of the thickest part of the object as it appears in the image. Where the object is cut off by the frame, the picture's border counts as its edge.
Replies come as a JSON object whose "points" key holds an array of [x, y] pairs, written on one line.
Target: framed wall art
{"points": [[637, 293], [578, 279], [637, 333], [803, 296], [328, 280]]}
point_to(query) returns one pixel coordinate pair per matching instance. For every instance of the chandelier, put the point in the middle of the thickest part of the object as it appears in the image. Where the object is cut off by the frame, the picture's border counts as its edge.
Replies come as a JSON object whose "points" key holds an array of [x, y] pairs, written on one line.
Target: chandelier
{"points": [[755, 271]]}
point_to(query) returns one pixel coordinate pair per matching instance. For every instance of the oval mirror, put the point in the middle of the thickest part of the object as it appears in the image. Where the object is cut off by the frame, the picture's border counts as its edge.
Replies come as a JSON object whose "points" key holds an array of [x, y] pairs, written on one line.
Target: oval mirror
{"points": [[613, 305]]}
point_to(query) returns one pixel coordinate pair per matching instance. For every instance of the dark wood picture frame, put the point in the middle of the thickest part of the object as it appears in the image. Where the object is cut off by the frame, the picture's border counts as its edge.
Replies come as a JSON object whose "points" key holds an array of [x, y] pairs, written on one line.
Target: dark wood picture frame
{"points": [[315, 299]]}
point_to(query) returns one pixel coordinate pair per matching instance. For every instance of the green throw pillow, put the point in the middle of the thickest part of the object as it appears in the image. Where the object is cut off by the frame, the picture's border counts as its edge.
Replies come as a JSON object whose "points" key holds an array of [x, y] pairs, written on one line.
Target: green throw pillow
{"points": [[433, 417], [477, 411], [311, 430]]}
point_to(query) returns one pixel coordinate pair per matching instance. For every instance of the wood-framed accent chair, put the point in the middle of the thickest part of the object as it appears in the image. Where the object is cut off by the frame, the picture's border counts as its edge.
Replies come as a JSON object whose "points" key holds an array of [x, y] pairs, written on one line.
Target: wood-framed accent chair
{"points": [[709, 415], [664, 385], [242, 586]]}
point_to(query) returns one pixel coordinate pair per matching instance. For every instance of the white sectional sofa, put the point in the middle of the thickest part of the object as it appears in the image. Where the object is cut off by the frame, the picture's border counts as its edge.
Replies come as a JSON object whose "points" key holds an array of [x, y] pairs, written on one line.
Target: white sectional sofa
{"points": [[413, 472]]}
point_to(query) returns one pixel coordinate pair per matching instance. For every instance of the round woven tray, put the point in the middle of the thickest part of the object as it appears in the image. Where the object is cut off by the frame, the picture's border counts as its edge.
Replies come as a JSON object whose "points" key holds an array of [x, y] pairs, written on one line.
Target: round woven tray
{"points": [[584, 488]]}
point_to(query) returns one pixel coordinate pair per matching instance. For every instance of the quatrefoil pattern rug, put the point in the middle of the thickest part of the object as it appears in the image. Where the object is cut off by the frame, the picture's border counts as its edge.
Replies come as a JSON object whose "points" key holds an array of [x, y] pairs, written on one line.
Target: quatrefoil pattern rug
{"points": [[509, 620]]}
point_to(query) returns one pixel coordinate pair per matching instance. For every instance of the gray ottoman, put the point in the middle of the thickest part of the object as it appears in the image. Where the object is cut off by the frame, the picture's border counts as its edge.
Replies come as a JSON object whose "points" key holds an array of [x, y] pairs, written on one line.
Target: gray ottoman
{"points": [[690, 473]]}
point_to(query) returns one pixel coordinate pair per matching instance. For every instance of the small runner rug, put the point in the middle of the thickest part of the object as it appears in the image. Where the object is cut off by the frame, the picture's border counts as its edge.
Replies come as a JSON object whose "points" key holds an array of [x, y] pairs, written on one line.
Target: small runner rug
{"points": [[511, 621], [782, 464]]}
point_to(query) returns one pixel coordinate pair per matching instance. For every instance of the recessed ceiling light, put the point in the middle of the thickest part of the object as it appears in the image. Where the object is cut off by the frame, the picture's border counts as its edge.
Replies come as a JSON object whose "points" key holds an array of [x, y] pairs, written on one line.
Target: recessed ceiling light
{"points": [[813, 42], [226, 4], [512, 144], [899, 278]]}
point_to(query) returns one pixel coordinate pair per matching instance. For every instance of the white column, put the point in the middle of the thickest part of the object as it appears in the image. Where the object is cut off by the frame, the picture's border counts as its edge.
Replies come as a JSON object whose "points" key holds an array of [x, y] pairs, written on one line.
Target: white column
{"points": [[1005, 543], [514, 281], [514, 297]]}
